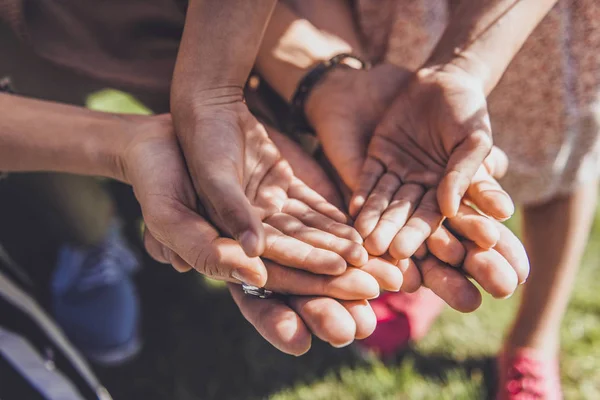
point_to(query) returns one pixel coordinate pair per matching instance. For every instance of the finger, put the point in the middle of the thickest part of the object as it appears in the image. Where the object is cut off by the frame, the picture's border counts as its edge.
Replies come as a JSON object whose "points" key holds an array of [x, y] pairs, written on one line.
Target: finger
{"points": [[491, 271], [228, 206], [370, 174], [155, 249], [394, 218], [446, 247], [511, 248], [378, 201], [163, 254], [464, 161], [300, 191], [421, 252], [471, 225], [387, 273], [496, 163], [489, 197], [312, 218], [198, 244], [411, 275], [364, 317], [291, 252], [425, 220], [274, 321], [351, 252], [353, 284], [326, 318], [450, 285]]}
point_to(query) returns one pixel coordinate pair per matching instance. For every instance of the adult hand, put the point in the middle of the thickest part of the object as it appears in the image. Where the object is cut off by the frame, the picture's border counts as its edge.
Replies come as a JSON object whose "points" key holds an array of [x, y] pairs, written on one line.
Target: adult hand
{"points": [[344, 109], [302, 230], [242, 181], [424, 154], [176, 233], [469, 245]]}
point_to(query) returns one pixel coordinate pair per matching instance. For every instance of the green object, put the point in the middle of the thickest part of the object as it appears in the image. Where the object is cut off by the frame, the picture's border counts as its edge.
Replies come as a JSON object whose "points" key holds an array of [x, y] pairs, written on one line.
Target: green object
{"points": [[115, 101]]}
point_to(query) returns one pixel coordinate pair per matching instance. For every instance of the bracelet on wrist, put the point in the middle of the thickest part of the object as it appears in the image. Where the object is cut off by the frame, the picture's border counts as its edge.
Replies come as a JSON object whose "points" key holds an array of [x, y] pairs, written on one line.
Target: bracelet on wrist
{"points": [[312, 79]]}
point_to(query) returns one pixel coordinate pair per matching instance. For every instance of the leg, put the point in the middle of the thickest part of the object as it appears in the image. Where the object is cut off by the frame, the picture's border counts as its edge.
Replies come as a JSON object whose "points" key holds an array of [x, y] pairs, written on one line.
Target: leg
{"points": [[555, 255], [529, 361]]}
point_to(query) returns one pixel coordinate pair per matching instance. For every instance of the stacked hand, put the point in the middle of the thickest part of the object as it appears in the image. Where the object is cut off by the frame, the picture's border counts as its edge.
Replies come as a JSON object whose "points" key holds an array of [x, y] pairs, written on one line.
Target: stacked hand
{"points": [[176, 233], [387, 218]]}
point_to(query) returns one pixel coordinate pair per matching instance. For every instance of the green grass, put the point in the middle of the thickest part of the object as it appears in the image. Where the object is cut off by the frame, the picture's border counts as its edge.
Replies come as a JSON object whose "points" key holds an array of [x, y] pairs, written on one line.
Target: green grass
{"points": [[198, 346], [466, 343]]}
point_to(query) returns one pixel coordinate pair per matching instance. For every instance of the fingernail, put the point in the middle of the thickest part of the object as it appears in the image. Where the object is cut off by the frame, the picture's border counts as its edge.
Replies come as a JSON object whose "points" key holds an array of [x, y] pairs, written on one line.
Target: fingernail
{"points": [[507, 206], [374, 297], [456, 200], [247, 276], [508, 296], [249, 242], [339, 346]]}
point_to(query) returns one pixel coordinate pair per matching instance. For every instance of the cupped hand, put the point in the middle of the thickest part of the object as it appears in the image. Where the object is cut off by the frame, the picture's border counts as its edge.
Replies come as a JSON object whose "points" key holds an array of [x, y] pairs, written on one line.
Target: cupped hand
{"points": [[470, 246], [250, 192], [423, 157]]}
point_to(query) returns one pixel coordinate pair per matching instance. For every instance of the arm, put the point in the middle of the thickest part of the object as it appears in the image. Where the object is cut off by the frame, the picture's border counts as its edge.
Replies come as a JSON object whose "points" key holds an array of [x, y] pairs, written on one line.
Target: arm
{"points": [[218, 48], [484, 36], [45, 136], [293, 45]]}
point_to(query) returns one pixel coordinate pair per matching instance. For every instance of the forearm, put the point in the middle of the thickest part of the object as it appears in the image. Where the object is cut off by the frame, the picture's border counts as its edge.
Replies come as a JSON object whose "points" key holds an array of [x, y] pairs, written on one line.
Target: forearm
{"points": [[45, 136], [483, 36], [302, 35], [218, 47]]}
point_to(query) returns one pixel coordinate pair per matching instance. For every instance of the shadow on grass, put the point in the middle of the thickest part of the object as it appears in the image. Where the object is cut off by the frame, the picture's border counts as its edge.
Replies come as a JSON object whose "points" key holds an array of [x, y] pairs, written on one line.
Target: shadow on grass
{"points": [[439, 366]]}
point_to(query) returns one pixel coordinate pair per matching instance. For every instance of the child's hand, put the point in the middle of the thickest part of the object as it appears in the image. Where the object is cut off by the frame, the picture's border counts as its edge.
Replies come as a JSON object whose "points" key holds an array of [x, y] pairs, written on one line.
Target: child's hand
{"points": [[423, 156]]}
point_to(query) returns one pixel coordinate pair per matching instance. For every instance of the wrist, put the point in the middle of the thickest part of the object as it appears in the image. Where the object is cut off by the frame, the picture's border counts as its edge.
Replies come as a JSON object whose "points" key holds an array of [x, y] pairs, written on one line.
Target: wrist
{"points": [[107, 149], [467, 63], [464, 67]]}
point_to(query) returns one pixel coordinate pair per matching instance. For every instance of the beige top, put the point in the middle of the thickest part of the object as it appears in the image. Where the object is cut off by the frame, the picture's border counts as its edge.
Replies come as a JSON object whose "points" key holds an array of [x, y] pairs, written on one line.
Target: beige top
{"points": [[545, 112]]}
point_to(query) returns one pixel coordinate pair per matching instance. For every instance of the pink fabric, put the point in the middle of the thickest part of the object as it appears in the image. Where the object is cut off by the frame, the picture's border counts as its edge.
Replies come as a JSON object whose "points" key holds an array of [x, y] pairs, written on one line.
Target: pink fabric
{"points": [[401, 318], [527, 375]]}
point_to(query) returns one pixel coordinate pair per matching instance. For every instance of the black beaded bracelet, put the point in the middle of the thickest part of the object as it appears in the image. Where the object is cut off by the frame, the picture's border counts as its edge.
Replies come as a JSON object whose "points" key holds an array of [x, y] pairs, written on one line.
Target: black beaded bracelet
{"points": [[311, 79]]}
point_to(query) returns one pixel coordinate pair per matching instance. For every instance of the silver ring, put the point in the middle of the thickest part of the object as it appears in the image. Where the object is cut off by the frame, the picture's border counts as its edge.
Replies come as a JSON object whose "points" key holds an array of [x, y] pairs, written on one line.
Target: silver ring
{"points": [[256, 291]]}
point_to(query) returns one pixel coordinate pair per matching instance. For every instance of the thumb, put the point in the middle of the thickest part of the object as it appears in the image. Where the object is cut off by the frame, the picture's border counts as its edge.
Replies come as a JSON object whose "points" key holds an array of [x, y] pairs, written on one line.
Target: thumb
{"points": [[189, 240], [464, 161], [228, 207]]}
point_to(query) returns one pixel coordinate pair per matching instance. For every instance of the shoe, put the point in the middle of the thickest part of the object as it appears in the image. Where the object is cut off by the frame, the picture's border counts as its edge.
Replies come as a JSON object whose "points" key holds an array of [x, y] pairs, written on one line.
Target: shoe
{"points": [[401, 318], [526, 374], [94, 298]]}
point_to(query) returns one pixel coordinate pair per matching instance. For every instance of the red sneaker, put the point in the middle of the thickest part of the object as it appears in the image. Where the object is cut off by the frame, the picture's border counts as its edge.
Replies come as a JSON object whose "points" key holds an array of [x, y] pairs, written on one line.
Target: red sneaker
{"points": [[401, 318], [527, 375]]}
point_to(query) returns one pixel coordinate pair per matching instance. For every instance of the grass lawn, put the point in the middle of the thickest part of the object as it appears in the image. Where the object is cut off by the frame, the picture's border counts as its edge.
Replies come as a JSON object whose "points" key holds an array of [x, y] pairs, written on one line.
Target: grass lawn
{"points": [[199, 347]]}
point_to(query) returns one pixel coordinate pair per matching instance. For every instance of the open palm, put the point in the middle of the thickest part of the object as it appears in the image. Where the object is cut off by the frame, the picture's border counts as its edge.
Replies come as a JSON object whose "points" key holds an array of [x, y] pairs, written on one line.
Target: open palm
{"points": [[423, 155]]}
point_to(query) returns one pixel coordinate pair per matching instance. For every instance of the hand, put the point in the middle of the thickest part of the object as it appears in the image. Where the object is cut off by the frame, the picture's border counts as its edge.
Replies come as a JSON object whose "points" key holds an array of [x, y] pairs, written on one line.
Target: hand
{"points": [[177, 234], [423, 156], [289, 325], [344, 110], [250, 192], [470, 244]]}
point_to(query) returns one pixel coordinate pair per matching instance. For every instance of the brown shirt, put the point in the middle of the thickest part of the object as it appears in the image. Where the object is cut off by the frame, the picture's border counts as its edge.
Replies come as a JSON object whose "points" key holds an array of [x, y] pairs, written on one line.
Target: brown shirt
{"points": [[123, 42]]}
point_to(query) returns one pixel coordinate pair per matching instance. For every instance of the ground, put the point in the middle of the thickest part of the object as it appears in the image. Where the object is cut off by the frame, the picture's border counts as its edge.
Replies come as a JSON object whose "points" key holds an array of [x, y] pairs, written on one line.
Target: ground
{"points": [[197, 346]]}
